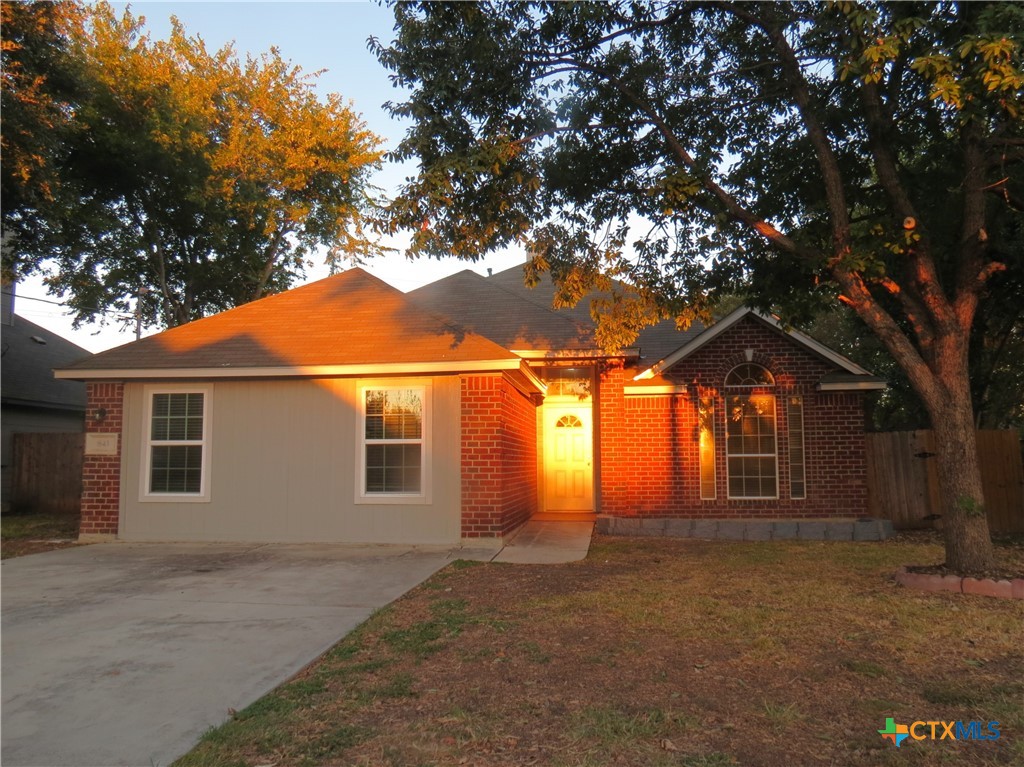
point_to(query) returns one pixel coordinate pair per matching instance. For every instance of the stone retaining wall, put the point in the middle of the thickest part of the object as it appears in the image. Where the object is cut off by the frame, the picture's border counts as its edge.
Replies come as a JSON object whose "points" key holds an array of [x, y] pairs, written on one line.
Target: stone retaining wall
{"points": [[748, 529]]}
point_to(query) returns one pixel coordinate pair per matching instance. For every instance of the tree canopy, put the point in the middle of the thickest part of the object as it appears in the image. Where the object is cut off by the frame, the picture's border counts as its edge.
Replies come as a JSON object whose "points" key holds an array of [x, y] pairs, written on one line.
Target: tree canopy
{"points": [[38, 84], [805, 153], [197, 177]]}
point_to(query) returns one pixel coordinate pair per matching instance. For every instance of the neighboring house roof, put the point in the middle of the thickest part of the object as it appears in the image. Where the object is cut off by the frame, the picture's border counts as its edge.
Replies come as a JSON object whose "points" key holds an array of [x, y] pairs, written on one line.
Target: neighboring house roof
{"points": [[850, 376], [30, 355], [524, 319], [351, 323]]}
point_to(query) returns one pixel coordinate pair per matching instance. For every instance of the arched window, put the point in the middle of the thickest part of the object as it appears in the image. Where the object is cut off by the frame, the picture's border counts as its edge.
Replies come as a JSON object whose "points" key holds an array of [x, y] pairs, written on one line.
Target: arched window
{"points": [[749, 374], [568, 422], [750, 431]]}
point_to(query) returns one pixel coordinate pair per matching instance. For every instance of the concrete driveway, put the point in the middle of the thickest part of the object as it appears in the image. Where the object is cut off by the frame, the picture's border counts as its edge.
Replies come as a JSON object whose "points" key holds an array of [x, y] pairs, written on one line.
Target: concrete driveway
{"points": [[124, 654]]}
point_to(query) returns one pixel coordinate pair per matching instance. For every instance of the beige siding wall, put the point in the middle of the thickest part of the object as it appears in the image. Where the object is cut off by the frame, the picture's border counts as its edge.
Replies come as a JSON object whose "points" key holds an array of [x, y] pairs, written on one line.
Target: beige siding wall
{"points": [[283, 469]]}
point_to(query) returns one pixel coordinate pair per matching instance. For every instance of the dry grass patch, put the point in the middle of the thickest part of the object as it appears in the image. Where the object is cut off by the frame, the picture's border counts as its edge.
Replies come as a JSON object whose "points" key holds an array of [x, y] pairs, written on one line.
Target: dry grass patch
{"points": [[31, 533], [653, 652]]}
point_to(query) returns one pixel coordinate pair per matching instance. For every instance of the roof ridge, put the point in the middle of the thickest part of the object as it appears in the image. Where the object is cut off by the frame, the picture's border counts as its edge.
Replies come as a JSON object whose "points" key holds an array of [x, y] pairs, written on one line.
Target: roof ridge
{"points": [[445, 319], [578, 326], [352, 318]]}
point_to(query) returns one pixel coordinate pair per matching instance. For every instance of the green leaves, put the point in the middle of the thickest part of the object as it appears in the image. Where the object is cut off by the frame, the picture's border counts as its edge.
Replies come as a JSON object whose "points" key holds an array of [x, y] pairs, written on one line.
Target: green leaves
{"points": [[986, 67], [205, 178], [689, 126]]}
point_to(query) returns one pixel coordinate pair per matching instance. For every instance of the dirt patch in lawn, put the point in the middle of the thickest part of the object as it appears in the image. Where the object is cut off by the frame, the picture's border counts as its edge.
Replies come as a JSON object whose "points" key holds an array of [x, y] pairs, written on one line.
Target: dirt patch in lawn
{"points": [[31, 533], [654, 652]]}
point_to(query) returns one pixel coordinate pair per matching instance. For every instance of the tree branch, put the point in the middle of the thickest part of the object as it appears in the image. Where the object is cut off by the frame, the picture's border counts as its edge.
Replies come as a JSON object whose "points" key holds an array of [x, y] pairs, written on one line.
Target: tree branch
{"points": [[678, 11], [921, 272], [268, 265], [973, 271], [732, 205], [892, 336], [800, 91]]}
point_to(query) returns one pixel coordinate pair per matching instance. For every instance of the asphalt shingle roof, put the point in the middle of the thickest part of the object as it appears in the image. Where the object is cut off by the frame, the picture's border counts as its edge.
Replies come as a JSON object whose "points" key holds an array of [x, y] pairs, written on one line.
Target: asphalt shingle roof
{"points": [[28, 366], [505, 316], [505, 310], [352, 318]]}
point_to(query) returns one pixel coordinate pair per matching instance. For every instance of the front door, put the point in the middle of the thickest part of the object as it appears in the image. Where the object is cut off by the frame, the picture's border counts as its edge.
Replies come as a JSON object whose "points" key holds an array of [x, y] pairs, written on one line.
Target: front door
{"points": [[568, 455]]}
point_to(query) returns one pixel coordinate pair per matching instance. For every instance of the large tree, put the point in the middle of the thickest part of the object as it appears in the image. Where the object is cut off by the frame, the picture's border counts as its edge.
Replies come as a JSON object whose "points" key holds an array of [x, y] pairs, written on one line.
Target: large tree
{"points": [[39, 82], [194, 178], [811, 152]]}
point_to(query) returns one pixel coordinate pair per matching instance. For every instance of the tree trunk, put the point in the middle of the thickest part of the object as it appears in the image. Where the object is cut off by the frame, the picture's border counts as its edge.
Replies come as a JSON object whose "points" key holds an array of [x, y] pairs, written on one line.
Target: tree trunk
{"points": [[965, 525]]}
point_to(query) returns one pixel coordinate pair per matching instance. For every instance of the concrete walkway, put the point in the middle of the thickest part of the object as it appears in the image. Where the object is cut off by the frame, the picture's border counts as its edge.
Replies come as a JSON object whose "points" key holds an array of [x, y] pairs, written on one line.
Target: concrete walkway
{"points": [[546, 539]]}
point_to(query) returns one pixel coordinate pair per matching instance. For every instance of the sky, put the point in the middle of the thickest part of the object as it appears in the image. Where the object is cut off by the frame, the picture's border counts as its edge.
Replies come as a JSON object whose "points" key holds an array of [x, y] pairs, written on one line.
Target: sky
{"points": [[316, 36]]}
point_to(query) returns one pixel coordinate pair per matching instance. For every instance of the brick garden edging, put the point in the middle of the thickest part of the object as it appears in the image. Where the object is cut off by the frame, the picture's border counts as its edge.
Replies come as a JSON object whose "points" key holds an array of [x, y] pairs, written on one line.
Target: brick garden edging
{"points": [[986, 587]]}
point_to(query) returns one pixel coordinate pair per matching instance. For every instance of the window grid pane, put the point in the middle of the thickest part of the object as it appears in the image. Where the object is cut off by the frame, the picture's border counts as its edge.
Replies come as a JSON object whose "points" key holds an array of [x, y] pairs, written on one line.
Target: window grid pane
{"points": [[797, 469], [751, 446], [176, 417], [176, 469], [394, 441], [749, 374]]}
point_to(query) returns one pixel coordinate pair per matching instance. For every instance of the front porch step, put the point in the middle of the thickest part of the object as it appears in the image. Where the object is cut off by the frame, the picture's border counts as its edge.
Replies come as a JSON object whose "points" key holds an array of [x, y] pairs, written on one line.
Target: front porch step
{"points": [[863, 529], [564, 516]]}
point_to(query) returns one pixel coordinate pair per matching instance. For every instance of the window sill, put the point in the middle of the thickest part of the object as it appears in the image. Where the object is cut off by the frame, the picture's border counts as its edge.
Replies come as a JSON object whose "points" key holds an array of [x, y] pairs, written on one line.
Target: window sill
{"points": [[174, 498], [393, 499]]}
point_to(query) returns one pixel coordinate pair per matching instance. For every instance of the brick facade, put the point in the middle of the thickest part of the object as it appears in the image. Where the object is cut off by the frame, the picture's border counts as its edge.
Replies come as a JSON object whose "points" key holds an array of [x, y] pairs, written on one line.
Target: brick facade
{"points": [[101, 474], [649, 444], [499, 457]]}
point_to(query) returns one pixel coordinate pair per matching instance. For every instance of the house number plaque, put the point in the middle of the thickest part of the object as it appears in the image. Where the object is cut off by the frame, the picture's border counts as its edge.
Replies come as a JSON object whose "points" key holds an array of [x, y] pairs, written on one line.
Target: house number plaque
{"points": [[101, 444]]}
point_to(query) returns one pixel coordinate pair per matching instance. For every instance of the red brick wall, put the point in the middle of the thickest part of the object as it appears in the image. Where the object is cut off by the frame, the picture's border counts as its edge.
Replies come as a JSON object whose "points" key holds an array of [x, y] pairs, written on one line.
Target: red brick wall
{"points": [[101, 474], [519, 456], [618, 474], [649, 444], [499, 457]]}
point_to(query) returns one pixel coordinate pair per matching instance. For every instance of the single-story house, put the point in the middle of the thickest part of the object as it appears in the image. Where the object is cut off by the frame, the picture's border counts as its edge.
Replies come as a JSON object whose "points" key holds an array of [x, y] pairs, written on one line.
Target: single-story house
{"points": [[348, 411]]}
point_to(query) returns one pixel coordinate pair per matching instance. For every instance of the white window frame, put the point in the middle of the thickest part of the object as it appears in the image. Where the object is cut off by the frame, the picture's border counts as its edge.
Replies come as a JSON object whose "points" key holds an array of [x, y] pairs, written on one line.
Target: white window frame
{"points": [[361, 494], [747, 392], [148, 443], [730, 455]]}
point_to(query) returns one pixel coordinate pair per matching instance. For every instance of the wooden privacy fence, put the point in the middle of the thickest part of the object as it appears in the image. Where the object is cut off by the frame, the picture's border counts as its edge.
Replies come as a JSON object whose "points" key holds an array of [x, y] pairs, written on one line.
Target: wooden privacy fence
{"points": [[47, 473], [903, 478]]}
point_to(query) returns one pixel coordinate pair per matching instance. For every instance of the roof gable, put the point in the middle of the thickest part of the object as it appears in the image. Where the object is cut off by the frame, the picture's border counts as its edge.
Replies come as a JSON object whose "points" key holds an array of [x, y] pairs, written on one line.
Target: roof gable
{"points": [[855, 376], [350, 319]]}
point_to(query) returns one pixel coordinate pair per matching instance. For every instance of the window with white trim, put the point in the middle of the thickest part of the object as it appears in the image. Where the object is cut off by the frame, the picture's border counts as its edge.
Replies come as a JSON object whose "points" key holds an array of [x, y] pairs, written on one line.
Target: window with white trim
{"points": [[177, 444], [394, 449], [750, 434]]}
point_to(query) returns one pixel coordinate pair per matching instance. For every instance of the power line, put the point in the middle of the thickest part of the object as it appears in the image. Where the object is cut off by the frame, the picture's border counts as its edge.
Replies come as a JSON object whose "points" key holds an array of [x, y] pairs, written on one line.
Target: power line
{"points": [[21, 297]]}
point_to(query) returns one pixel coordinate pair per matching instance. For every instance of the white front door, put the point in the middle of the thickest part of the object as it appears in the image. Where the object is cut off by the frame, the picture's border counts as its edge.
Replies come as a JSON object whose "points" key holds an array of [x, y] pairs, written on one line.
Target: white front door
{"points": [[568, 457]]}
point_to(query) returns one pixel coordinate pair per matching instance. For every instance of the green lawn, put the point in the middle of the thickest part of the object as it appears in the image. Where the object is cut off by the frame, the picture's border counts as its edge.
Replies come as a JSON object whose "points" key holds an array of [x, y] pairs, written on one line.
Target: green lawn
{"points": [[654, 652]]}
